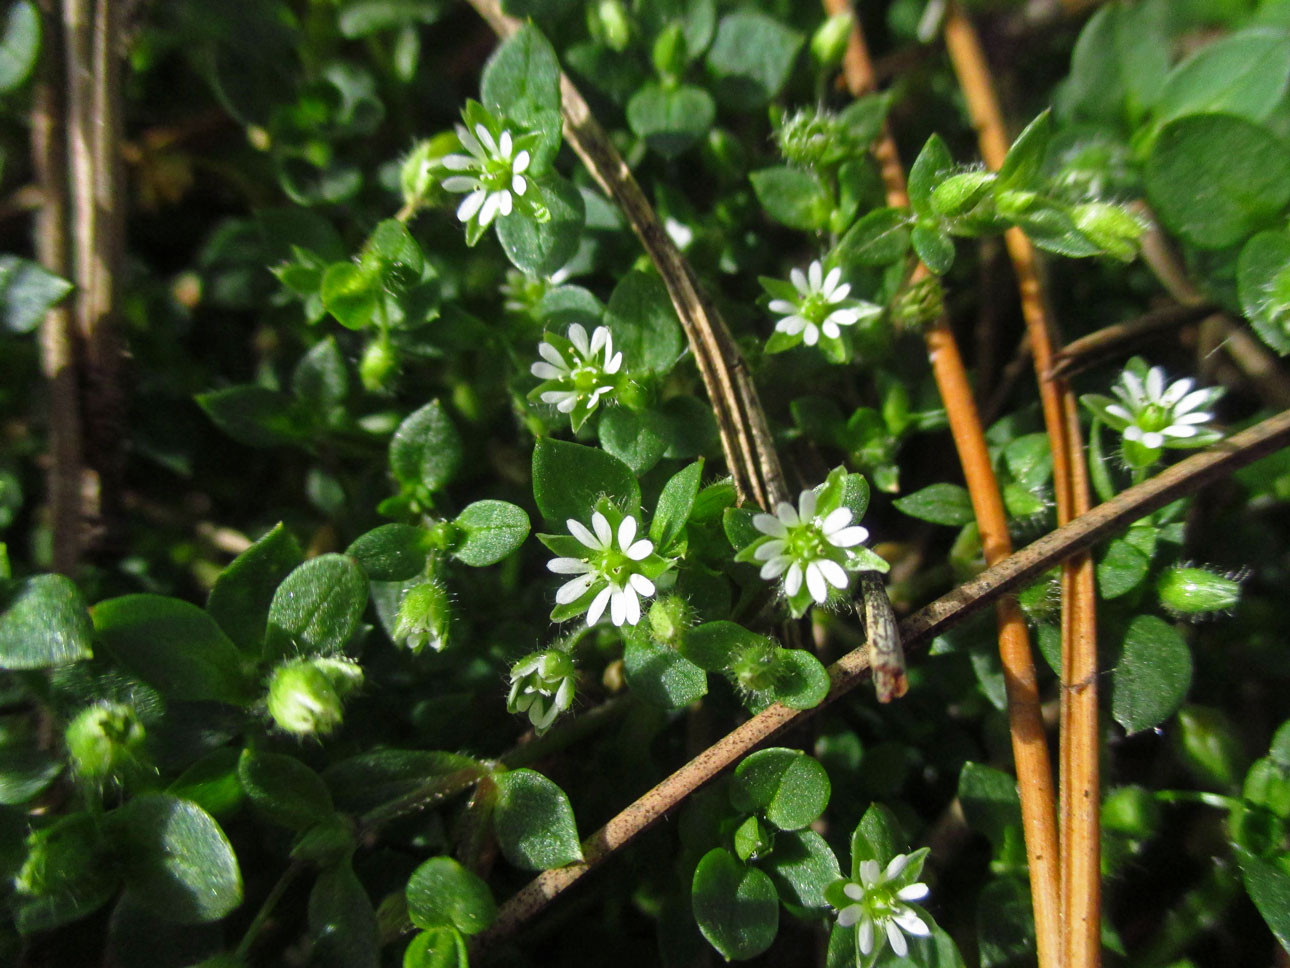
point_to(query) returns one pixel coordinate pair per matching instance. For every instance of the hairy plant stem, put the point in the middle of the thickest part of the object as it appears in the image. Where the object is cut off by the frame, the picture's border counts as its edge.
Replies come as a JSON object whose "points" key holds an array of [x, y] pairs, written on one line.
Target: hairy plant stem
{"points": [[1079, 929], [1025, 719], [995, 583]]}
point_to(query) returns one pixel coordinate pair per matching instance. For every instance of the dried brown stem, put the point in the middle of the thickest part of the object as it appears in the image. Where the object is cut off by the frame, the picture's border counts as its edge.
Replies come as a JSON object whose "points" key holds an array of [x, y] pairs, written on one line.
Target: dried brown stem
{"points": [[58, 349], [1030, 748], [1080, 844], [988, 588], [1114, 341]]}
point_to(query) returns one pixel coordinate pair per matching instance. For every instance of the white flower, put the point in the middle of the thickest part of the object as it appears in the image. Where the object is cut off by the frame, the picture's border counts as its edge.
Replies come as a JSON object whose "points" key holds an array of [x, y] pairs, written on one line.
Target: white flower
{"points": [[881, 912], [806, 548], [493, 173], [542, 686], [820, 305], [1153, 415], [613, 564], [579, 381]]}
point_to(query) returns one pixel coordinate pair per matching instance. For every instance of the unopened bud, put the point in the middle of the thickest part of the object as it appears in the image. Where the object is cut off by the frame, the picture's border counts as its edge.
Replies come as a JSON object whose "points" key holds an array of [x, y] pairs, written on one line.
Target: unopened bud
{"points": [[378, 366], [755, 666], [1110, 228], [542, 685], [607, 22], [669, 617], [669, 52], [829, 42], [302, 699], [1191, 592], [423, 618], [105, 741]]}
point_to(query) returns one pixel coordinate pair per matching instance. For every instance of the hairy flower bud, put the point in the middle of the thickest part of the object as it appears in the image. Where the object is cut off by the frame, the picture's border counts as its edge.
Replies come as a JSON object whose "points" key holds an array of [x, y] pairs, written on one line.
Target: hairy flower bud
{"points": [[305, 694], [423, 618], [1192, 592], [829, 42], [669, 617], [105, 741], [378, 366], [1109, 227], [542, 686]]}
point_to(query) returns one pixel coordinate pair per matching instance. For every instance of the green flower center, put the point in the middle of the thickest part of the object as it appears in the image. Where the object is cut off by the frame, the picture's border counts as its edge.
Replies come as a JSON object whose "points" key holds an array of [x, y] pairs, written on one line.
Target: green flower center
{"points": [[815, 308], [586, 378], [806, 543], [1154, 418]]}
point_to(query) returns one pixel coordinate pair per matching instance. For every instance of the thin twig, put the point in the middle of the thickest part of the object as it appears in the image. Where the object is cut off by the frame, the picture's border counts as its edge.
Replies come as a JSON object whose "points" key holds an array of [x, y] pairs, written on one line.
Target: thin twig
{"points": [[1029, 745], [1114, 341], [1080, 845], [987, 588], [57, 333], [745, 435]]}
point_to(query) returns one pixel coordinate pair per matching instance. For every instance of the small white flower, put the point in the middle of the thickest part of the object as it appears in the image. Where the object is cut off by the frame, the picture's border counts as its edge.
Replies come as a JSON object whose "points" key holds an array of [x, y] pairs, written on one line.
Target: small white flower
{"points": [[881, 911], [1153, 414], [820, 306], [805, 548], [580, 380], [612, 564], [492, 174], [542, 686]]}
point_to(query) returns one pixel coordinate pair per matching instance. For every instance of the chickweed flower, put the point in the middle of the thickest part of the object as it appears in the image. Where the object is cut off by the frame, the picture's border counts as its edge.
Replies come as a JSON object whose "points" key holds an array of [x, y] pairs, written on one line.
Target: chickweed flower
{"points": [[613, 568], [576, 371], [1152, 415], [812, 546], [814, 305], [542, 686], [423, 618], [877, 905], [493, 173]]}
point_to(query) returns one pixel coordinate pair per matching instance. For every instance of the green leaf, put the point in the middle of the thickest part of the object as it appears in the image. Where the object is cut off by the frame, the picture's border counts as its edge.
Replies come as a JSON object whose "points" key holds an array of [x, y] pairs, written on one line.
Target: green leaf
{"points": [[1269, 888], [793, 197], [670, 119], [211, 783], [802, 865], [426, 450], [24, 773], [178, 863], [361, 18], [351, 294], [1244, 74], [876, 837], [523, 75], [442, 893], [320, 380], [27, 290], [786, 785], [398, 254], [317, 607], [240, 600], [1121, 569], [801, 681], [492, 530], [643, 322], [1118, 65], [534, 822], [541, 248], [1263, 284], [750, 59], [436, 948], [933, 164], [256, 416], [738, 526], [19, 44], [1005, 923], [342, 923], [1214, 178], [990, 802], [675, 502], [947, 504], [67, 874], [712, 645], [370, 779], [173, 646], [283, 789], [878, 239], [633, 437], [43, 623], [933, 247], [391, 552], [735, 906], [568, 479], [1025, 159], [661, 676], [1153, 675]]}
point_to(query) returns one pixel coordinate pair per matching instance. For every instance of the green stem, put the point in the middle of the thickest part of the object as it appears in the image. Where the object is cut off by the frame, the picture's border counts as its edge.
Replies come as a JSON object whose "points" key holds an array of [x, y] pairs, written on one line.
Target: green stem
{"points": [[266, 908], [433, 791], [567, 733]]}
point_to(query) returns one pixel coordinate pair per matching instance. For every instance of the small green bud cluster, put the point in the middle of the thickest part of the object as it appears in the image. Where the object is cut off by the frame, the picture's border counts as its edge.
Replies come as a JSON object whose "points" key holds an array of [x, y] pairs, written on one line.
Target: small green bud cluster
{"points": [[306, 696], [669, 617], [755, 667], [105, 742], [424, 618]]}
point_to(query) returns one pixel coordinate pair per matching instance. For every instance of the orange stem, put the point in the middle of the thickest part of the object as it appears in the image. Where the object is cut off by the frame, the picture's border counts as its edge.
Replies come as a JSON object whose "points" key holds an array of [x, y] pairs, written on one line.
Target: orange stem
{"points": [[1030, 749], [1079, 796]]}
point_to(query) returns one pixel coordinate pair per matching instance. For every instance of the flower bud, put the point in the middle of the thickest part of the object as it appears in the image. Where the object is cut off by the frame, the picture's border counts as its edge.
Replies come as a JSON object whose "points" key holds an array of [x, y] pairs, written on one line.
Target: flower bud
{"points": [[302, 699], [1110, 228], [829, 42], [608, 22], [669, 617], [669, 52], [755, 666], [378, 367], [423, 618], [918, 305], [959, 193], [1191, 592], [542, 686], [105, 741], [1014, 204], [420, 172]]}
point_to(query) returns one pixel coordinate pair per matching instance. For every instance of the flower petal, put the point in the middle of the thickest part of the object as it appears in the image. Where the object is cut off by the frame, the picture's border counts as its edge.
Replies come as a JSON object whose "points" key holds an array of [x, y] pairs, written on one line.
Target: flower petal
{"points": [[806, 503], [793, 580], [640, 550], [642, 585], [569, 566], [579, 531], [571, 591], [626, 532], [521, 162], [787, 514], [869, 872], [783, 306], [864, 935], [775, 567], [470, 205], [633, 605], [545, 371], [898, 864], [911, 923], [578, 337], [600, 524], [598, 605], [833, 573], [835, 520], [769, 524], [552, 356], [798, 278], [815, 274], [849, 915], [914, 892], [898, 943], [815, 583], [769, 549], [492, 205], [618, 607], [505, 145]]}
